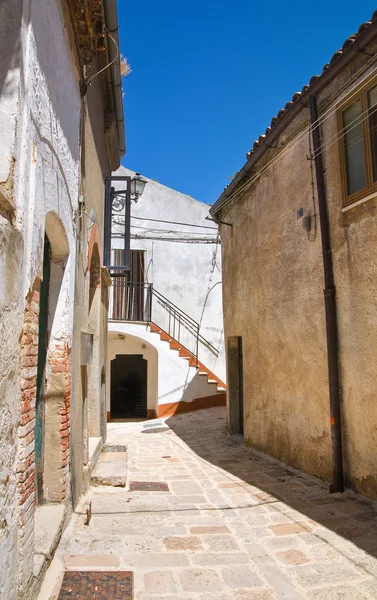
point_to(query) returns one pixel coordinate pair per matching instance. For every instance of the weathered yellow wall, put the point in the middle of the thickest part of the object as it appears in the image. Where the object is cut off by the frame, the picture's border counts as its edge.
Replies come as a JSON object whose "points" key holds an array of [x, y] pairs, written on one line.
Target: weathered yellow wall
{"points": [[273, 298]]}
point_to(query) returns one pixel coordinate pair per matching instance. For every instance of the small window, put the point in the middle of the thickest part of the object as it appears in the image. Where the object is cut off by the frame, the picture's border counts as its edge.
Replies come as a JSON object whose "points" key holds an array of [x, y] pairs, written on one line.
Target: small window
{"points": [[358, 125]]}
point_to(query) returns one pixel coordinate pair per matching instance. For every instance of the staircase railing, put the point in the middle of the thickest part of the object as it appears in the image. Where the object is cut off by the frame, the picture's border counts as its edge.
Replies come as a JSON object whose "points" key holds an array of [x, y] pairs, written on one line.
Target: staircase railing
{"points": [[142, 303]]}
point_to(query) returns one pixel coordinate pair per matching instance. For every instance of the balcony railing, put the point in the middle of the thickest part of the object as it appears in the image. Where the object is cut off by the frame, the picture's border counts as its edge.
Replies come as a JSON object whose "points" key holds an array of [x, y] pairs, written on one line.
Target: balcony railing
{"points": [[142, 303]]}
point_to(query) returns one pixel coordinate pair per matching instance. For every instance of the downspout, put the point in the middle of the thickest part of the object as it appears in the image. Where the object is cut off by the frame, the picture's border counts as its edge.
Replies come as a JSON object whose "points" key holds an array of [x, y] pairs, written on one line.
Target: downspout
{"points": [[111, 19], [330, 307]]}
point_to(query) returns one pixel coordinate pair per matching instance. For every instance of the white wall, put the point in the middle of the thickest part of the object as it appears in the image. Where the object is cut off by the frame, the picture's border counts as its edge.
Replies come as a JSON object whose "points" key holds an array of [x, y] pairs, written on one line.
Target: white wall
{"points": [[39, 133], [170, 378], [183, 272]]}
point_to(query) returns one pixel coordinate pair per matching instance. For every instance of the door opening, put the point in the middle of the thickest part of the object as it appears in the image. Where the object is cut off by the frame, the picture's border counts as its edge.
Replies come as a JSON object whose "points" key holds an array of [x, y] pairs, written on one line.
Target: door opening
{"points": [[129, 297], [128, 387], [41, 370], [235, 381]]}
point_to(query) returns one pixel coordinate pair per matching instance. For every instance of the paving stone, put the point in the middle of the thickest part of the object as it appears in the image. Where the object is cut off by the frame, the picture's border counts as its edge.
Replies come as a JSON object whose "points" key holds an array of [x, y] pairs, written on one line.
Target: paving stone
{"points": [[258, 553], [255, 595], [241, 577], [330, 573], [289, 528], [220, 542], [159, 582], [200, 580], [341, 593], [148, 560], [293, 557], [90, 560], [283, 587], [214, 534], [186, 488], [183, 543], [187, 500], [220, 558], [209, 530]]}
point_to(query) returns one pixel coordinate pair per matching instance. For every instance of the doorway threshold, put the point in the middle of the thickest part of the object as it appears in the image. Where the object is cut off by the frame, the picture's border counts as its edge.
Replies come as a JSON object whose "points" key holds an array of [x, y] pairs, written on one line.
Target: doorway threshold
{"points": [[237, 438], [48, 527]]}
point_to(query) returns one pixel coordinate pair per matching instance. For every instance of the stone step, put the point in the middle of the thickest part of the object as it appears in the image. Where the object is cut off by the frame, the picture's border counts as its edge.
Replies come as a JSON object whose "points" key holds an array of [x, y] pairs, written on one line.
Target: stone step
{"points": [[111, 469]]}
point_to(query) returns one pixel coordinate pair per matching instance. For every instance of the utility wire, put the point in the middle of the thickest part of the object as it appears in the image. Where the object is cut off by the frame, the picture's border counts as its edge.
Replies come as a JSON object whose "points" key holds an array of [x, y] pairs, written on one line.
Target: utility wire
{"points": [[176, 240], [173, 222], [170, 231], [346, 129], [256, 176], [301, 136], [110, 63]]}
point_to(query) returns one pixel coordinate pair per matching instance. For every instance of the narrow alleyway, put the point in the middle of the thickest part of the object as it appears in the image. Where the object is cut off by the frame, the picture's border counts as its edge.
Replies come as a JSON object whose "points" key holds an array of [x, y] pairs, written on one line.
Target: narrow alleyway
{"points": [[233, 525]]}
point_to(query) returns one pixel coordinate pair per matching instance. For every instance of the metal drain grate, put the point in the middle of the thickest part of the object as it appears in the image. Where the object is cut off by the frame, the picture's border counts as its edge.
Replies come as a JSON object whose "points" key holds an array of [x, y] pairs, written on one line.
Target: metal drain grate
{"points": [[97, 585], [148, 486]]}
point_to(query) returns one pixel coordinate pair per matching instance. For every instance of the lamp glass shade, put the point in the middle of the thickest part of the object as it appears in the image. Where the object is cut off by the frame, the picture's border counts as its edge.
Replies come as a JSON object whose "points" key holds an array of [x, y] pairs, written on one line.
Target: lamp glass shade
{"points": [[137, 185]]}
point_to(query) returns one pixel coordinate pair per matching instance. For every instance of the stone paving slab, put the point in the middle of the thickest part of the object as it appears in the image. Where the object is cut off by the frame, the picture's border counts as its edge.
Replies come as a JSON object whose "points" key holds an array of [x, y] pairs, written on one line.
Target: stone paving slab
{"points": [[234, 525]]}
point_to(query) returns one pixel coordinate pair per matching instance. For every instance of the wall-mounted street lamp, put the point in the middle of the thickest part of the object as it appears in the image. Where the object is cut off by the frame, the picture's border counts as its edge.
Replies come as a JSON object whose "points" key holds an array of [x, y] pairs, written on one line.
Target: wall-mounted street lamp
{"points": [[117, 231], [137, 187]]}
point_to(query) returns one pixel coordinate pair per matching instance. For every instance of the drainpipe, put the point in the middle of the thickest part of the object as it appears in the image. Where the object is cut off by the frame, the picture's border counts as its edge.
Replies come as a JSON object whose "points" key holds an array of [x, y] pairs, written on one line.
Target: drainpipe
{"points": [[111, 19], [330, 308]]}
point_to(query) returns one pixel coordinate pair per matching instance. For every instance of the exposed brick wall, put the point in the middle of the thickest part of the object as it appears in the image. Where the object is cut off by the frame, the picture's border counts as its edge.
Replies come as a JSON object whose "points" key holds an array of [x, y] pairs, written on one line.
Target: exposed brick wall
{"points": [[26, 455], [59, 363]]}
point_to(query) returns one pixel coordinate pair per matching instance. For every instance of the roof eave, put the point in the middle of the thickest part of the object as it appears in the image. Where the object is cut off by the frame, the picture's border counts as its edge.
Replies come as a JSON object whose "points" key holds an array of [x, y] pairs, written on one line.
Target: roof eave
{"points": [[362, 41]]}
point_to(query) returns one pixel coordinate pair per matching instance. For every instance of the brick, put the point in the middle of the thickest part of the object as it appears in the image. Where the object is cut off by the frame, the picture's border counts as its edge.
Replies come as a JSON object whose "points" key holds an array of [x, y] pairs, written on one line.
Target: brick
{"points": [[24, 465], [25, 452], [24, 476], [27, 417], [27, 384]]}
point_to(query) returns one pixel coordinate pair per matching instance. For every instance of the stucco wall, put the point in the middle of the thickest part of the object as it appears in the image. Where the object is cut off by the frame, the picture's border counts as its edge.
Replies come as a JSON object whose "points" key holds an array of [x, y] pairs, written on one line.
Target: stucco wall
{"points": [[39, 131], [272, 287], [94, 167], [170, 379], [188, 274]]}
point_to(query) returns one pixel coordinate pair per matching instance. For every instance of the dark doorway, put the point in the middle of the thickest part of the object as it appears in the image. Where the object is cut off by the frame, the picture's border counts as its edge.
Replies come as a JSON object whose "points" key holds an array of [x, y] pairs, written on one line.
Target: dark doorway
{"points": [[129, 297], [128, 387], [235, 382], [41, 369]]}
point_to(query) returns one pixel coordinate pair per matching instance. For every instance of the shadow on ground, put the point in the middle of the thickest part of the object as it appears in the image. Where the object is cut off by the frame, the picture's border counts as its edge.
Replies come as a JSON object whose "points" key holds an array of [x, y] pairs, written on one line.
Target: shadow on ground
{"points": [[270, 482]]}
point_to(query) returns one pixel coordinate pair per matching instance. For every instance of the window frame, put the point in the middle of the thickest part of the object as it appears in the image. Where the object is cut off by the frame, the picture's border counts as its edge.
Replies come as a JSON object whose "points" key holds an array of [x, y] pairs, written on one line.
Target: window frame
{"points": [[371, 186]]}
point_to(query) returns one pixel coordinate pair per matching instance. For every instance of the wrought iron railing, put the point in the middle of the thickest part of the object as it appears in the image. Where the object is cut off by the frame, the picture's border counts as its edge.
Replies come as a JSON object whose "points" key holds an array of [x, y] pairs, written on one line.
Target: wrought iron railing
{"points": [[142, 303]]}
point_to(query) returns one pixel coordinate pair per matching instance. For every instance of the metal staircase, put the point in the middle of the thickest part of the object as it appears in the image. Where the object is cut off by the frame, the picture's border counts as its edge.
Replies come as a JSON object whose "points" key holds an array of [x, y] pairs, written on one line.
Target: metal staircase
{"points": [[142, 303]]}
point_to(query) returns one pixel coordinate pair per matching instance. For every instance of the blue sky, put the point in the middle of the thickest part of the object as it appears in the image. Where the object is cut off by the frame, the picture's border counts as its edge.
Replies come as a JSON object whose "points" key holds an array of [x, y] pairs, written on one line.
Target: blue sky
{"points": [[207, 77]]}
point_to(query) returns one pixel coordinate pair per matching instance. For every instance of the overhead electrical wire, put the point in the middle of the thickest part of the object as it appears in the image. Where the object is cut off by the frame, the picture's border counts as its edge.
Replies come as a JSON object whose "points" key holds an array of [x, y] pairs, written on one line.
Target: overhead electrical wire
{"points": [[170, 231], [174, 222], [176, 240], [327, 114], [335, 138]]}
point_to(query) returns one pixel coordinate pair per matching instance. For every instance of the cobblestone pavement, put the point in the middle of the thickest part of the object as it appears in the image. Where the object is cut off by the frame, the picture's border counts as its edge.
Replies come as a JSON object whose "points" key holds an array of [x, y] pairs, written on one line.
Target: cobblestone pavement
{"points": [[233, 525]]}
